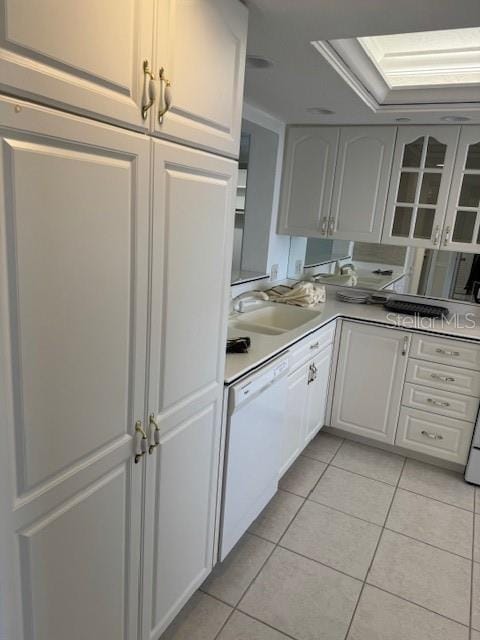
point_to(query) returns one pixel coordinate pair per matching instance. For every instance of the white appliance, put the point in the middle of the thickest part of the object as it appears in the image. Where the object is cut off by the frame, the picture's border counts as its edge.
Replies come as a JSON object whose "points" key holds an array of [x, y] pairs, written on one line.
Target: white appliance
{"points": [[256, 413], [472, 471]]}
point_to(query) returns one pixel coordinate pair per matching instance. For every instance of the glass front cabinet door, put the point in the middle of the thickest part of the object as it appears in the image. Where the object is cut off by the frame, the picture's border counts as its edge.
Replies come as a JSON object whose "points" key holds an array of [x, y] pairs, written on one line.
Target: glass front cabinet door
{"points": [[421, 174], [462, 222]]}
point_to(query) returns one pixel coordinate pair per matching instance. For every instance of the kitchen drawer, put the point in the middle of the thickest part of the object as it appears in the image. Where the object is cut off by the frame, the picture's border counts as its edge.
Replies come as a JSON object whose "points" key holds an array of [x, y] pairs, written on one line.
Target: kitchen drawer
{"points": [[441, 376], [434, 435], [445, 403], [310, 346], [446, 351]]}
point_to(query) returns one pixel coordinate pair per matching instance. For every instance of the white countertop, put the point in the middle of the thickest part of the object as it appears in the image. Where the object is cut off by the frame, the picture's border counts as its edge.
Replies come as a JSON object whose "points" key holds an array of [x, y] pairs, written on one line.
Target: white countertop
{"points": [[264, 347]]}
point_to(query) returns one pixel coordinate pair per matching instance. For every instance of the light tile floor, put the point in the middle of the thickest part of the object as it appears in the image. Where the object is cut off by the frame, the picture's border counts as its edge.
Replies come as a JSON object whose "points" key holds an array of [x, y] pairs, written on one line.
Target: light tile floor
{"points": [[358, 544]]}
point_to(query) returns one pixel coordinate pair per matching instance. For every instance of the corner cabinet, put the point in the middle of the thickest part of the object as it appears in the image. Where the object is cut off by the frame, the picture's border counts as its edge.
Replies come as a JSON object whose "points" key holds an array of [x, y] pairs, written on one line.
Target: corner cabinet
{"points": [[194, 51], [307, 182], [372, 363], [335, 182], [421, 177]]}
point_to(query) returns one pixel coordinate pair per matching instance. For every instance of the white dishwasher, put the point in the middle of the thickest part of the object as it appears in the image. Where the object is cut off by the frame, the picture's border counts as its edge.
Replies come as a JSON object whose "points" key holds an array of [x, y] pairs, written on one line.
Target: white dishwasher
{"points": [[256, 413]]}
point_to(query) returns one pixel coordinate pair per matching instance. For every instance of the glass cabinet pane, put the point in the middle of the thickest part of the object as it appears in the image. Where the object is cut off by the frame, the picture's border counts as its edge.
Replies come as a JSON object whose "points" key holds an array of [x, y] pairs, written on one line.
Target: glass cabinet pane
{"points": [[435, 154], [430, 188], [470, 193], [407, 187], [424, 223], [473, 157], [412, 153], [402, 221], [464, 226]]}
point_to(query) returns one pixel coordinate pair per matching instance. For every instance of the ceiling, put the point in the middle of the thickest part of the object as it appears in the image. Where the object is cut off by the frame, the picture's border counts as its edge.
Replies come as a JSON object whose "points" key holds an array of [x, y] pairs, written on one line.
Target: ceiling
{"points": [[301, 78]]}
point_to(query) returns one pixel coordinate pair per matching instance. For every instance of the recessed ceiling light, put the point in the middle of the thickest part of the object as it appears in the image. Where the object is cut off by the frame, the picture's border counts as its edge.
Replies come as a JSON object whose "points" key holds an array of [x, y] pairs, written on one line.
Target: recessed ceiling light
{"points": [[403, 119], [320, 111], [455, 119], [258, 62]]}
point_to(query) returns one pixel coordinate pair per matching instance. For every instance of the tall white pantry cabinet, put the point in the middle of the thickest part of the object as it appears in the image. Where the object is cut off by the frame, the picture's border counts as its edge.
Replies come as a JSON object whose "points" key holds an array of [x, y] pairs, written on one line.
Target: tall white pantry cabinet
{"points": [[115, 242]]}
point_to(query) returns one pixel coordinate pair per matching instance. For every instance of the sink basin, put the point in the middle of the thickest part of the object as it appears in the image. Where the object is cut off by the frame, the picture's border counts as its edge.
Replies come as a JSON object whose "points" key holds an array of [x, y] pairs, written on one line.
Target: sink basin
{"points": [[273, 319]]}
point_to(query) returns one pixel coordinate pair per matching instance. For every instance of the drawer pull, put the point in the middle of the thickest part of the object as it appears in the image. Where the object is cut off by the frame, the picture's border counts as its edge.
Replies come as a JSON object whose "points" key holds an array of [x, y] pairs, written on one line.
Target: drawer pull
{"points": [[432, 436], [446, 352], [438, 403], [437, 376], [315, 345]]}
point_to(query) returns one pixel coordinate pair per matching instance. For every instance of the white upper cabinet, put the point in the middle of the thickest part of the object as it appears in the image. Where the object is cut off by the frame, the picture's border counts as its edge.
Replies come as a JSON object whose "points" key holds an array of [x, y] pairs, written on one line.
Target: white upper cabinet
{"points": [[74, 209], [369, 379], [421, 177], [85, 56], [462, 222], [307, 183], [193, 206], [201, 46], [360, 190]]}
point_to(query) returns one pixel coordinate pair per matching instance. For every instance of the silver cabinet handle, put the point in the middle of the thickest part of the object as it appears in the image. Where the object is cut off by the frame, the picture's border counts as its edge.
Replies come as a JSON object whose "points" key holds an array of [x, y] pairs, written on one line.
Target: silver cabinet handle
{"points": [[141, 441], [432, 436], [312, 373], [165, 95], [154, 433], [331, 226], [149, 93], [437, 376], [438, 403], [315, 345], [436, 235], [446, 352], [323, 227], [406, 341], [446, 237]]}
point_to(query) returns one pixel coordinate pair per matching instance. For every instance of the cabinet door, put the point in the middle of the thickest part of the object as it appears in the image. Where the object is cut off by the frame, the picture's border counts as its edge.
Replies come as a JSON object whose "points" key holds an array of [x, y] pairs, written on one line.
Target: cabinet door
{"points": [[81, 56], [307, 182], [73, 300], [462, 223], [369, 380], [201, 45], [360, 190], [193, 213], [421, 175], [294, 427], [317, 394]]}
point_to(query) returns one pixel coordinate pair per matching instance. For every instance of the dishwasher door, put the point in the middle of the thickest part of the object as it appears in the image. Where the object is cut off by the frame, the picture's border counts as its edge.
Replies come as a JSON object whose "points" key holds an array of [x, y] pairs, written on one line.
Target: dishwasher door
{"points": [[254, 437]]}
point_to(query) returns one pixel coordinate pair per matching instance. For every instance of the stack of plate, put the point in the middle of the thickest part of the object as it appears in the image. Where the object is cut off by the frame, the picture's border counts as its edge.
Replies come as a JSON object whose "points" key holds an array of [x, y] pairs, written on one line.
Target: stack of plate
{"points": [[356, 297]]}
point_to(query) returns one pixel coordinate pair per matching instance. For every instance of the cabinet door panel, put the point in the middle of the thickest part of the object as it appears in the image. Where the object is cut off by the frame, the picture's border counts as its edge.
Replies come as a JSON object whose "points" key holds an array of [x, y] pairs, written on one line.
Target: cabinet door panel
{"points": [[371, 365], [74, 381], [420, 181], [462, 222], [201, 44], [193, 213], [362, 175], [307, 182], [67, 54], [294, 427], [317, 394]]}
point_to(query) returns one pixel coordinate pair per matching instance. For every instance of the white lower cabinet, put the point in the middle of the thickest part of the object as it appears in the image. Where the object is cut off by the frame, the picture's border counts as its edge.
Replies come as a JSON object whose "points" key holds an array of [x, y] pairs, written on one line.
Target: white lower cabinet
{"points": [[369, 380], [307, 393]]}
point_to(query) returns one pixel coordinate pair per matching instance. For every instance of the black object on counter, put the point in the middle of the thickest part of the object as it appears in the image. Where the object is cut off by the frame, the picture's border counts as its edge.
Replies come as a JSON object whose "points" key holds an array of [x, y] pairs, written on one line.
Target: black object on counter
{"points": [[383, 272], [416, 309], [238, 345]]}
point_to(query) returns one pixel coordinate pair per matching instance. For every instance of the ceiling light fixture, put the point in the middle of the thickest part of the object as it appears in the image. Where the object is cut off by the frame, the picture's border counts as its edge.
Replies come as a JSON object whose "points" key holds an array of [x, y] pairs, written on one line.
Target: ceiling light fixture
{"points": [[455, 119], [320, 111], [258, 62]]}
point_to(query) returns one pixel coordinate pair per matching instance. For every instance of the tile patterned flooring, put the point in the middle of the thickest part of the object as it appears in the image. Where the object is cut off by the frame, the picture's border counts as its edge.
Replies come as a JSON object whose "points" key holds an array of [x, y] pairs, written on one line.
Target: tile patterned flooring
{"points": [[358, 544]]}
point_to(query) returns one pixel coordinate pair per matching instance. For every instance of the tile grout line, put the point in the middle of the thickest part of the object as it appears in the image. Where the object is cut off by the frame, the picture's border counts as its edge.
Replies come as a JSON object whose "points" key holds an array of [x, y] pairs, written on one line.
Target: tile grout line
{"points": [[375, 552]]}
